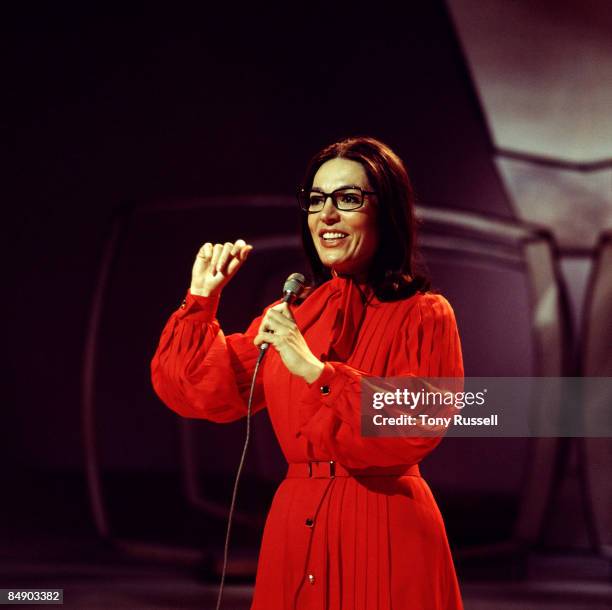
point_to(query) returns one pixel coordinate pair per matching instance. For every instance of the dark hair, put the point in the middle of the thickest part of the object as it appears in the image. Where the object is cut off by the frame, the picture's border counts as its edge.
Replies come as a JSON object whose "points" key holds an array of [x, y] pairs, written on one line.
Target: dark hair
{"points": [[392, 273]]}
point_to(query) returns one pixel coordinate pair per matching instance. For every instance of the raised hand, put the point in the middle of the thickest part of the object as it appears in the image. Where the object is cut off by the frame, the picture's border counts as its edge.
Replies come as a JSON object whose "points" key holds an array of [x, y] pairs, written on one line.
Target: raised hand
{"points": [[215, 265]]}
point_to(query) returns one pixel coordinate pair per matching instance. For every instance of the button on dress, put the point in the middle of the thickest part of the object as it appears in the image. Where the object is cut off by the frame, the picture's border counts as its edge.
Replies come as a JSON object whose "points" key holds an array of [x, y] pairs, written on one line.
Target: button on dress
{"points": [[369, 535]]}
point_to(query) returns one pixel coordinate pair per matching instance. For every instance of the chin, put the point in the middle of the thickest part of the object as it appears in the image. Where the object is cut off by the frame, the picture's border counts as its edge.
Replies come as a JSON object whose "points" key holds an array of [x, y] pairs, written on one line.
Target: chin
{"points": [[334, 264]]}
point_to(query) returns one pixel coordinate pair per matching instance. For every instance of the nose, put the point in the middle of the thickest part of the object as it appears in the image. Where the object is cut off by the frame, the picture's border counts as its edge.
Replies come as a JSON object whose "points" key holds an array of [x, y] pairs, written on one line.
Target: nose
{"points": [[330, 212]]}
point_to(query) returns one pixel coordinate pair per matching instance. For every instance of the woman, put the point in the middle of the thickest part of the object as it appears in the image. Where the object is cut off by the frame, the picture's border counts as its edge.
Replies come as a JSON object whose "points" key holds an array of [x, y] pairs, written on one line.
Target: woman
{"points": [[353, 526]]}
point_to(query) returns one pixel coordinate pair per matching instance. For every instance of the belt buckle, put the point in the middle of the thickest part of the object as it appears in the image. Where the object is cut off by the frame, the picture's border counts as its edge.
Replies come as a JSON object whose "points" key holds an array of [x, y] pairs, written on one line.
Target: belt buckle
{"points": [[332, 468]]}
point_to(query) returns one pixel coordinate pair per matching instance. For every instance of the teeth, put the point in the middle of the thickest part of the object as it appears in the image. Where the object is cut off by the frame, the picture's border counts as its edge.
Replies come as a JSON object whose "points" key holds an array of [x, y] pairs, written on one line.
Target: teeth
{"points": [[333, 235]]}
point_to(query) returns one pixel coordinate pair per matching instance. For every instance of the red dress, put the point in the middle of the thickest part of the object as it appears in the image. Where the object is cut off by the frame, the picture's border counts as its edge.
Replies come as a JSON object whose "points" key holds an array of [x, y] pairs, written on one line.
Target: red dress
{"points": [[360, 542]]}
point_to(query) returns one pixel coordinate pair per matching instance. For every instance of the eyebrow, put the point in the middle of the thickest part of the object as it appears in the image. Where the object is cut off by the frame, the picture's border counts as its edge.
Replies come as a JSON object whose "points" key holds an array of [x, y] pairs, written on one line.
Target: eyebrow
{"points": [[348, 186]]}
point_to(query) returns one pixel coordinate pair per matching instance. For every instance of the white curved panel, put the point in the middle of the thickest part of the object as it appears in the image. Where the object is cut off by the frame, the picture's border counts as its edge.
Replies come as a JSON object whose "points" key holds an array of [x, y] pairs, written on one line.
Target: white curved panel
{"points": [[543, 71]]}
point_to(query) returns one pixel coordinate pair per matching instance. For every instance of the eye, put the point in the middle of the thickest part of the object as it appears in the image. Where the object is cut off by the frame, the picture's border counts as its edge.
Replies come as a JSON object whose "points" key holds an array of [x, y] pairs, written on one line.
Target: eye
{"points": [[349, 198], [316, 200]]}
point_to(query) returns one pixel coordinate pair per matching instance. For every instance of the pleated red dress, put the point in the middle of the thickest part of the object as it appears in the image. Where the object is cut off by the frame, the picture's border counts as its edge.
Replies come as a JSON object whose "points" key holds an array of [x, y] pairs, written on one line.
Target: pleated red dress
{"points": [[371, 537]]}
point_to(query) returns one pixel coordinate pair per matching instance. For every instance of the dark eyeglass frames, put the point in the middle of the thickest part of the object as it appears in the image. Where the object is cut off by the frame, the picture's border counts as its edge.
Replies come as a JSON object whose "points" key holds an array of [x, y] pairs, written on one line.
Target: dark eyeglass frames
{"points": [[345, 199]]}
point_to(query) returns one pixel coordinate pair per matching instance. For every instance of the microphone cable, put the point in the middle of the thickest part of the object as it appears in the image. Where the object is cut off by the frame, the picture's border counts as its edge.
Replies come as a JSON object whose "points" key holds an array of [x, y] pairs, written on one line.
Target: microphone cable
{"points": [[262, 353], [292, 289]]}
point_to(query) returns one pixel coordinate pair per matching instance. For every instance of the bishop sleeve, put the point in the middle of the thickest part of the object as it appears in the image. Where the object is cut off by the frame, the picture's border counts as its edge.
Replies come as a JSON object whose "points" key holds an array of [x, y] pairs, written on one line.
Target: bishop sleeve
{"points": [[427, 345], [198, 372]]}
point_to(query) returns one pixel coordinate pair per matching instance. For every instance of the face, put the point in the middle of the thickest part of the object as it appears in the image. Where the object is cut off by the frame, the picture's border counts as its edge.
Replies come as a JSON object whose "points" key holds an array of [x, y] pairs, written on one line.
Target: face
{"points": [[345, 240]]}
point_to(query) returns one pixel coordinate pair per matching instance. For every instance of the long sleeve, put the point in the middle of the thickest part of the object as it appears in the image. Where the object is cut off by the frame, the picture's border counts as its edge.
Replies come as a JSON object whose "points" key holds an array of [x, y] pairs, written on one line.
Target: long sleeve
{"points": [[425, 344], [199, 372]]}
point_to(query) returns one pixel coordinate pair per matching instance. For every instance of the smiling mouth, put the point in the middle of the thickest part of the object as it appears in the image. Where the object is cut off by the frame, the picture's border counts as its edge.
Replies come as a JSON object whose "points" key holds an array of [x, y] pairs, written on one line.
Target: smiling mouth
{"points": [[329, 236]]}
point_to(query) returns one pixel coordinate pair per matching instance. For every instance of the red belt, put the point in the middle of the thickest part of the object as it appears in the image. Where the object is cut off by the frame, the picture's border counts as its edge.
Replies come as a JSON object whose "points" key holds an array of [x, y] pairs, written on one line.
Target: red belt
{"points": [[329, 470]]}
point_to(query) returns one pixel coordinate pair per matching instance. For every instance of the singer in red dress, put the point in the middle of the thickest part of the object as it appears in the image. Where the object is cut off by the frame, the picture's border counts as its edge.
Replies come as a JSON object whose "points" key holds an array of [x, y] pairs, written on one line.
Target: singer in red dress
{"points": [[353, 526]]}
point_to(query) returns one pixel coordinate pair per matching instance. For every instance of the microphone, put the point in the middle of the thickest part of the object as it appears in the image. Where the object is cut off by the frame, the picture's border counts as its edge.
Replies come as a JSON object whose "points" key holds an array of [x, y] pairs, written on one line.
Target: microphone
{"points": [[293, 287], [292, 290]]}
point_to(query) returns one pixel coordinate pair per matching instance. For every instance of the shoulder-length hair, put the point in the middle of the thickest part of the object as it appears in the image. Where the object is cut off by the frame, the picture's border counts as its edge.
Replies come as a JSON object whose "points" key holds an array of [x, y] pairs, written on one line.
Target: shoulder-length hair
{"points": [[392, 274]]}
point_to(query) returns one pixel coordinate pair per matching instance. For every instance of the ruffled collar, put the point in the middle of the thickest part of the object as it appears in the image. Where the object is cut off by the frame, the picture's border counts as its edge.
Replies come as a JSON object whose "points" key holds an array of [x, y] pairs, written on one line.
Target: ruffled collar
{"points": [[338, 308]]}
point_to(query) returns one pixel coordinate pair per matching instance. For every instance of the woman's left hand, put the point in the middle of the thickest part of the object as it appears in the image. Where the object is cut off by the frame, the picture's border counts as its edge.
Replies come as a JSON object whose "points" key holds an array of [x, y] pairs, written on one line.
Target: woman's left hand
{"points": [[278, 328]]}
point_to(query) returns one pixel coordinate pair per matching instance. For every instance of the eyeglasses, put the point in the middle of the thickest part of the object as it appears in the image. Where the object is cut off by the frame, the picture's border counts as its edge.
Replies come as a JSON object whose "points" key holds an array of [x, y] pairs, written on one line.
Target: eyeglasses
{"points": [[345, 199]]}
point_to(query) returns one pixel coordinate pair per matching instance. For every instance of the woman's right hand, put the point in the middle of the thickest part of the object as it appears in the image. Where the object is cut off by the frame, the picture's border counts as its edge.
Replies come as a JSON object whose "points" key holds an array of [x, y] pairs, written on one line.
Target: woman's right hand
{"points": [[215, 265]]}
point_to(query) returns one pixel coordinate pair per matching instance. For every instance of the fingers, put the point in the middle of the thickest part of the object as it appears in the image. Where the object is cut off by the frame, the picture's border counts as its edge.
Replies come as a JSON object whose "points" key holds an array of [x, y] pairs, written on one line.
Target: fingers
{"points": [[204, 255], [261, 338], [237, 247], [236, 261], [283, 334], [275, 327], [205, 251], [280, 318], [229, 256], [245, 251], [215, 264], [270, 337], [232, 259], [284, 309], [223, 257]]}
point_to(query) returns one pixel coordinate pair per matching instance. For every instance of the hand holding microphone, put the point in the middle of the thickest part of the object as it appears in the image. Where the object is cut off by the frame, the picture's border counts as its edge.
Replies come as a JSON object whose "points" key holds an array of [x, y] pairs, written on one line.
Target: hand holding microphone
{"points": [[278, 328], [292, 290]]}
